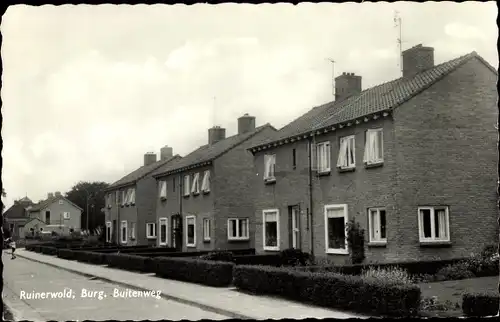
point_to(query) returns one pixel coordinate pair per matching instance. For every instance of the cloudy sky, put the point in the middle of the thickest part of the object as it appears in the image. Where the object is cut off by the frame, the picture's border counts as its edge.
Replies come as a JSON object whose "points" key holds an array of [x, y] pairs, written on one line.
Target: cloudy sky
{"points": [[87, 90]]}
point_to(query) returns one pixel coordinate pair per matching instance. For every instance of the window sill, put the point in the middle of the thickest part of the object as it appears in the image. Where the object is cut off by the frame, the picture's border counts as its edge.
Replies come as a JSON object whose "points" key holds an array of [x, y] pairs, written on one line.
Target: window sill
{"points": [[163, 198], [377, 244], [186, 196], [337, 251], [374, 165], [437, 244], [191, 246], [270, 180], [162, 244], [232, 240], [346, 169], [195, 193], [206, 241], [206, 192], [272, 249], [151, 237], [324, 173]]}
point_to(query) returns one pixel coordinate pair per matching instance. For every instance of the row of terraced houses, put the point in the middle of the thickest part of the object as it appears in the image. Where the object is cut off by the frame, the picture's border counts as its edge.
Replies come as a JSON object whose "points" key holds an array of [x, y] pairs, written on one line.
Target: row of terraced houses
{"points": [[412, 160]]}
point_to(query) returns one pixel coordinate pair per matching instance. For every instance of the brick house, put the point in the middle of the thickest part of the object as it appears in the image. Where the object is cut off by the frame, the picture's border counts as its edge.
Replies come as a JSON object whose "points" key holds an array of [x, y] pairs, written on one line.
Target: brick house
{"points": [[203, 200], [57, 211], [413, 161], [131, 202], [17, 216]]}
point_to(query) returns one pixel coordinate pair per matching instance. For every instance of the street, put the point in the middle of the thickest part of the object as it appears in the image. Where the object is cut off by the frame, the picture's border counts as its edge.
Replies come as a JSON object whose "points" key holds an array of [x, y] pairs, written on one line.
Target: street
{"points": [[35, 291]]}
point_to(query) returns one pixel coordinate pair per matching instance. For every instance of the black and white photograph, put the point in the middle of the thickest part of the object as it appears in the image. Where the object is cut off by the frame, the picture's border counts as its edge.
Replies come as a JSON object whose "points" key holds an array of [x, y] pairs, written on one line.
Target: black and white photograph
{"points": [[250, 161]]}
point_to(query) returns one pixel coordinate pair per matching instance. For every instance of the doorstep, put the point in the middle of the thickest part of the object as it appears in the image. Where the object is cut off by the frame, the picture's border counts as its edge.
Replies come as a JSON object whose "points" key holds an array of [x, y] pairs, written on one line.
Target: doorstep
{"points": [[214, 299]]}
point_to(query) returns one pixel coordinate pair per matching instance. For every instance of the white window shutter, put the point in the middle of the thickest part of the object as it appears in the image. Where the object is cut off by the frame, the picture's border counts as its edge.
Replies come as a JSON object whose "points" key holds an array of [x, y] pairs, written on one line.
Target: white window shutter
{"points": [[342, 153]]}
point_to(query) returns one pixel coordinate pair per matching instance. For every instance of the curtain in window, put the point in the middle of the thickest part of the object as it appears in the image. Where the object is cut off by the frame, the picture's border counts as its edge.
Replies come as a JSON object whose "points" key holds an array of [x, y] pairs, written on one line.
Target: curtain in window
{"points": [[205, 185], [342, 161], [441, 214]]}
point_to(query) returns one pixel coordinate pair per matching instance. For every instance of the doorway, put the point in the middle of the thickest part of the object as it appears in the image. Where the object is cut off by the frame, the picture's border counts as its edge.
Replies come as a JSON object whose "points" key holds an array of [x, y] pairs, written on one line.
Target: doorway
{"points": [[177, 232], [294, 226]]}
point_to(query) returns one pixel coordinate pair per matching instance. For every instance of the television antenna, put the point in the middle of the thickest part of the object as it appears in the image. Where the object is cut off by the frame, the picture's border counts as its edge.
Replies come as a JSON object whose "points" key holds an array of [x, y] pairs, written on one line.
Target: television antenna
{"points": [[398, 23], [332, 61]]}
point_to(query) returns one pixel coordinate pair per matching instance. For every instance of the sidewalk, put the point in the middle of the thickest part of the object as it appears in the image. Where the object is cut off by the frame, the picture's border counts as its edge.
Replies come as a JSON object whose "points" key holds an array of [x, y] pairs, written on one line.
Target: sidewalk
{"points": [[225, 301]]}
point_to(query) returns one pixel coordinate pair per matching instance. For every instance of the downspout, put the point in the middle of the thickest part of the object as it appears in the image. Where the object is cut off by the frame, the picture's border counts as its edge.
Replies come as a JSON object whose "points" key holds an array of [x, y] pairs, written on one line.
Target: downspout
{"points": [[311, 196], [181, 223]]}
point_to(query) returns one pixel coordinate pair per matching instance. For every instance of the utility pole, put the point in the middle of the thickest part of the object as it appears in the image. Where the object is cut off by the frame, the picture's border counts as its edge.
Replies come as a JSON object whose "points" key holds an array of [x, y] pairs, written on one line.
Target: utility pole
{"points": [[398, 23], [333, 75]]}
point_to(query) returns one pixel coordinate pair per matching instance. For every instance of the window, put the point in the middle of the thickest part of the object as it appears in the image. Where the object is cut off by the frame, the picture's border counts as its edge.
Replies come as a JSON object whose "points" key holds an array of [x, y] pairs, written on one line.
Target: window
{"points": [[335, 229], [150, 230], [377, 225], [206, 229], [195, 189], [205, 184], [132, 230], [117, 195], [271, 232], [47, 217], [127, 197], [190, 231], [433, 224], [374, 151], [323, 157], [124, 198], [346, 158], [186, 185], [124, 231], [173, 184], [110, 200], [294, 158], [132, 196], [163, 190], [163, 222], [61, 202], [108, 231], [237, 229], [66, 215], [269, 167]]}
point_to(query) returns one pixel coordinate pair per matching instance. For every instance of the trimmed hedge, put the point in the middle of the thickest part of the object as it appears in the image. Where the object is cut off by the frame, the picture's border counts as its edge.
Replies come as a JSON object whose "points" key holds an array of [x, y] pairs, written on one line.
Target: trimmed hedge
{"points": [[480, 304], [66, 254], [269, 260], [129, 262], [91, 257], [48, 250], [330, 290], [211, 273]]}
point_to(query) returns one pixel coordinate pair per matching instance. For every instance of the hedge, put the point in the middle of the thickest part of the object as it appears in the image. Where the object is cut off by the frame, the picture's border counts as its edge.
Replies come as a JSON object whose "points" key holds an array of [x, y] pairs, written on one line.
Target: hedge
{"points": [[129, 262], [480, 304], [66, 254], [269, 260], [211, 273], [48, 250], [330, 290], [91, 257]]}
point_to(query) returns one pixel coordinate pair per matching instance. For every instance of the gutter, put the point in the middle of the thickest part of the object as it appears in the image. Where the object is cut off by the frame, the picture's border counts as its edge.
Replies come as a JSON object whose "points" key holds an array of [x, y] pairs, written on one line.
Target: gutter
{"points": [[311, 195]]}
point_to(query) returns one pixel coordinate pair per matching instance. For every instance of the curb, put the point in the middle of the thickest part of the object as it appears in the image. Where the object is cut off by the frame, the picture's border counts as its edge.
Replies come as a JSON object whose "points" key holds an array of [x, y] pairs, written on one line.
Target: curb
{"points": [[208, 308]]}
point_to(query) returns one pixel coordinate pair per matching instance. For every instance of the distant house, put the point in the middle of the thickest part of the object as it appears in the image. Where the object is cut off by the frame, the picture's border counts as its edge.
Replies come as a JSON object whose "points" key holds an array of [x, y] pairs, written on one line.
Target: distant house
{"points": [[203, 201], [16, 217], [413, 161], [131, 203], [57, 210]]}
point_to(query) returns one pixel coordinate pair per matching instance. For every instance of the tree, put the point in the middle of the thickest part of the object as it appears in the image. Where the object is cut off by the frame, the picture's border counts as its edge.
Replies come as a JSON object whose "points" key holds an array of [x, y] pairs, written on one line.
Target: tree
{"points": [[94, 194]]}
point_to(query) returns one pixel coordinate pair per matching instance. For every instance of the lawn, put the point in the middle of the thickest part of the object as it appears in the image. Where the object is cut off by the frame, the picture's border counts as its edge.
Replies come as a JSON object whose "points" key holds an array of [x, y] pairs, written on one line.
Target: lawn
{"points": [[452, 291]]}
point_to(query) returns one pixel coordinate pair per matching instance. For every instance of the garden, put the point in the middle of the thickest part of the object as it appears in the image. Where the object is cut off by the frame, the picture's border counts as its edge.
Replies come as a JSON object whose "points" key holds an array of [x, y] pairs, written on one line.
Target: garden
{"points": [[433, 288]]}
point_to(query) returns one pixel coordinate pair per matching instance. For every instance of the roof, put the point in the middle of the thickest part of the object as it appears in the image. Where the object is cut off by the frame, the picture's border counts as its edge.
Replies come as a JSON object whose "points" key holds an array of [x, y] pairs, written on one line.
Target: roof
{"points": [[17, 210], [380, 98], [45, 203], [141, 172], [207, 153]]}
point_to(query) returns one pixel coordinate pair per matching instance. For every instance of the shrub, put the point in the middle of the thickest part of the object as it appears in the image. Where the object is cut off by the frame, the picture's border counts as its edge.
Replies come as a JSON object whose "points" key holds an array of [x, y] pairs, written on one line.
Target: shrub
{"points": [[389, 275], [66, 254], [194, 270], [294, 257], [129, 262], [489, 251], [458, 271], [330, 290], [91, 257], [48, 250], [221, 256], [480, 304], [268, 260], [355, 241]]}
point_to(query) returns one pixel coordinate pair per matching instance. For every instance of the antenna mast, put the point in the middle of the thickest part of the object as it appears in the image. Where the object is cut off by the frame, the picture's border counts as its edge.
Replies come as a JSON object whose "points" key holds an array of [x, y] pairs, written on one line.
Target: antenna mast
{"points": [[333, 75], [398, 23]]}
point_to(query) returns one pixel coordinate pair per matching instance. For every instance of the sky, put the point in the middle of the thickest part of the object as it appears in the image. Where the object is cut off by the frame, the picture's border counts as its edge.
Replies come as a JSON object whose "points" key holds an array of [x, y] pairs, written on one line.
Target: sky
{"points": [[88, 89]]}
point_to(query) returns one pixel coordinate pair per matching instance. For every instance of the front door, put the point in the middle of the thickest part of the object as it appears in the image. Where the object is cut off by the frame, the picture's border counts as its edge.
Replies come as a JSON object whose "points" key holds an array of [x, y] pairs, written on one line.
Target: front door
{"points": [[294, 224], [177, 232]]}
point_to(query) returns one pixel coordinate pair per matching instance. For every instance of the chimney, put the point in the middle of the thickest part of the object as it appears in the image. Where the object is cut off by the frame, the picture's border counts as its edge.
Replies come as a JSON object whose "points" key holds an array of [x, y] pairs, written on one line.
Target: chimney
{"points": [[58, 193], [216, 134], [246, 123], [50, 195], [346, 85], [417, 59], [149, 158], [166, 152]]}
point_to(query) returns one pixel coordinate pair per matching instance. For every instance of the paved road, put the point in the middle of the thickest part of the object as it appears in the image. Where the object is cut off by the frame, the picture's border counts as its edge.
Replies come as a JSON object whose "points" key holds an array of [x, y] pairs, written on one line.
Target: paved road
{"points": [[23, 278]]}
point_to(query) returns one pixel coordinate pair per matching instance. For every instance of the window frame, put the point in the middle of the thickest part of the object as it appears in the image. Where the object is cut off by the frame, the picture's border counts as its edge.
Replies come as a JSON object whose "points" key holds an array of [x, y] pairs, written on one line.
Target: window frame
{"points": [[433, 209], [339, 251], [206, 178], [238, 233], [371, 238], [194, 231], [61, 202], [353, 165], [123, 224], [206, 232], [278, 237], [132, 230], [68, 216], [160, 220], [374, 161], [124, 198], [149, 236], [110, 235], [328, 149], [163, 190], [195, 184], [268, 178], [186, 187], [132, 196]]}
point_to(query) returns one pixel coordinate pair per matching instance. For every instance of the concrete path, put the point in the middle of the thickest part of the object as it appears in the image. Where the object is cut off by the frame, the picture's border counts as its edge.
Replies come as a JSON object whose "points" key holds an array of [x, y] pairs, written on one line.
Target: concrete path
{"points": [[223, 301], [82, 298]]}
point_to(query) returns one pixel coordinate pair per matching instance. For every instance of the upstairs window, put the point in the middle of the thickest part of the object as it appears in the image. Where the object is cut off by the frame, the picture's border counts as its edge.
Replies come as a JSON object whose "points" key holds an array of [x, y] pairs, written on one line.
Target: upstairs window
{"points": [[374, 148], [346, 159], [117, 197], [124, 198], [294, 158], [205, 185], [323, 157], [269, 167], [195, 189], [163, 190], [186, 185], [132, 196]]}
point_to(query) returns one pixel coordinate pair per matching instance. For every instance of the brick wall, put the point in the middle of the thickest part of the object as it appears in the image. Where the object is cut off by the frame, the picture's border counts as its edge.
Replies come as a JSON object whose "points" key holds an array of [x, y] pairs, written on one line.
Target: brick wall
{"points": [[146, 196]]}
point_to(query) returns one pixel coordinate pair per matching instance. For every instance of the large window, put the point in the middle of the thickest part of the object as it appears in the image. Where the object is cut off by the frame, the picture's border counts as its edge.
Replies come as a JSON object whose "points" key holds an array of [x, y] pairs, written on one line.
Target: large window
{"points": [[108, 231], [271, 233], [237, 228], [323, 157], [186, 185], [195, 189], [335, 229], [347, 158], [163, 190], [433, 224], [162, 223], [191, 231], [206, 229], [124, 231], [377, 225], [269, 167], [374, 148], [205, 185], [150, 230]]}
